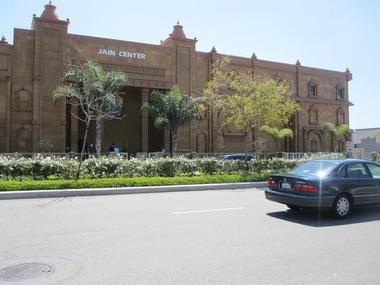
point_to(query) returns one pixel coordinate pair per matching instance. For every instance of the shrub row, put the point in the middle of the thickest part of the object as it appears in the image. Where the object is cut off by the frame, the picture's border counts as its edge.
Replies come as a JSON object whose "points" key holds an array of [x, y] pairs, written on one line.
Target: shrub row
{"points": [[127, 182], [42, 168]]}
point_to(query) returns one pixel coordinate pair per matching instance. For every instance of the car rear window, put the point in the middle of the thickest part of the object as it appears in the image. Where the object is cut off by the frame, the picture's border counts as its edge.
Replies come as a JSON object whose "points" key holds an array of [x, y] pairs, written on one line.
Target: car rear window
{"points": [[319, 168], [375, 170]]}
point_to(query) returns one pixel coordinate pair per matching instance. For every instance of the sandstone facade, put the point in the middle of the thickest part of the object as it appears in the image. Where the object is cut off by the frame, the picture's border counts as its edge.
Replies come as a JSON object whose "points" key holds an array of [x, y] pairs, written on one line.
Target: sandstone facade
{"points": [[34, 65]]}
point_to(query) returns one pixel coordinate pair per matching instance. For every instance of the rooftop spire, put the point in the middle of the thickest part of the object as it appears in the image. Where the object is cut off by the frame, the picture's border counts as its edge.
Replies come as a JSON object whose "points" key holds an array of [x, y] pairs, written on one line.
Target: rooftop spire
{"points": [[178, 32], [298, 63], [3, 41], [348, 74], [49, 12]]}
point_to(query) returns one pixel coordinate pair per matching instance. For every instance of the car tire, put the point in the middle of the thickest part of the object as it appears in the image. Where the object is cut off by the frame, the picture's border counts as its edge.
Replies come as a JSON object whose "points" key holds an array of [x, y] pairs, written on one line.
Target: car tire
{"points": [[342, 206], [293, 207]]}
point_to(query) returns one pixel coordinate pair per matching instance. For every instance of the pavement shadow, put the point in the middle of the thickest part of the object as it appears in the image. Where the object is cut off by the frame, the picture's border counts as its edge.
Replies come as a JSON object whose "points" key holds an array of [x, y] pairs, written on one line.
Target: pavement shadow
{"points": [[315, 218]]}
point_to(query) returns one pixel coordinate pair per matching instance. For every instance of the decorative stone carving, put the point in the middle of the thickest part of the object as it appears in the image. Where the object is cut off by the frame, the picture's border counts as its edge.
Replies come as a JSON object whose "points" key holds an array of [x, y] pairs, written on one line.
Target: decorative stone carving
{"points": [[23, 101], [201, 142], [4, 62], [348, 75], [23, 140]]}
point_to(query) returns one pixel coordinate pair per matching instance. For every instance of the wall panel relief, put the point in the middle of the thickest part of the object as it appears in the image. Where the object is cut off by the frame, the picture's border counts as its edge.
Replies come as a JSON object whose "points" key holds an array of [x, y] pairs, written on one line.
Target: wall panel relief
{"points": [[4, 62], [23, 101], [22, 139], [201, 142]]}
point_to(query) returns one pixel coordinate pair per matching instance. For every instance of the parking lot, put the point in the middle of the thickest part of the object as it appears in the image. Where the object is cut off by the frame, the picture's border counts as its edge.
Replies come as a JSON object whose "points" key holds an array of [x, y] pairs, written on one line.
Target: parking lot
{"points": [[206, 237]]}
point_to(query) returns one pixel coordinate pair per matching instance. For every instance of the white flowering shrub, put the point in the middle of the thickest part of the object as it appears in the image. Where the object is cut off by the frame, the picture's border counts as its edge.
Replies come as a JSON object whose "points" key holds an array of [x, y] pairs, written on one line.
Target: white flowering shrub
{"points": [[97, 167], [189, 167], [274, 165], [37, 167], [321, 155], [51, 167]]}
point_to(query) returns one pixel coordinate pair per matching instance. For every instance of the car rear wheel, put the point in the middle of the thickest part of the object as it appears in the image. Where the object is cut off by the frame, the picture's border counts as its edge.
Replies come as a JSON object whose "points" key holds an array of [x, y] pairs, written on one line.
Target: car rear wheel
{"points": [[293, 207], [342, 206]]}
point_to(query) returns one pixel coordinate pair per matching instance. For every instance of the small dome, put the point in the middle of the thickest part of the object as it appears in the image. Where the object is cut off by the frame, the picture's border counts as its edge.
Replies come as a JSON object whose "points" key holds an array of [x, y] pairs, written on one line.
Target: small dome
{"points": [[49, 13], [178, 32]]}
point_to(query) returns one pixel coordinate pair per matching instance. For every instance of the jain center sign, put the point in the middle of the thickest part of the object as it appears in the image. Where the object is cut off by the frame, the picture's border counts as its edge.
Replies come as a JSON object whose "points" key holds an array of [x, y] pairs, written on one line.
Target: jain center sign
{"points": [[121, 53]]}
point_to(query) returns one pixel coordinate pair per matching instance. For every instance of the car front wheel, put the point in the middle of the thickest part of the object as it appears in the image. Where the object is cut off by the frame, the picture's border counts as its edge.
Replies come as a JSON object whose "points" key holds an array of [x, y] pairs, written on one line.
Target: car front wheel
{"points": [[342, 206]]}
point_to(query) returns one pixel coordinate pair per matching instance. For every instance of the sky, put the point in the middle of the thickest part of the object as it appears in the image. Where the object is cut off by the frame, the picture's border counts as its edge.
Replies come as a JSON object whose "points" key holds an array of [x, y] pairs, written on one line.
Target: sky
{"points": [[327, 34]]}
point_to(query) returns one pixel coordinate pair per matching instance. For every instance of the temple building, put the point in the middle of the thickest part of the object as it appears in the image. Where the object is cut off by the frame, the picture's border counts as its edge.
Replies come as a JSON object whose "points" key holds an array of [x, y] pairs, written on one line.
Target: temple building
{"points": [[33, 66]]}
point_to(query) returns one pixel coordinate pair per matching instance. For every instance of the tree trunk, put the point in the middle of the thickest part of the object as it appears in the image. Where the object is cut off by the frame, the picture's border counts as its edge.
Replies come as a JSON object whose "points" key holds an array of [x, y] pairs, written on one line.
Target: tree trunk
{"points": [[98, 144], [246, 139], [333, 144], [82, 151], [174, 140], [277, 143]]}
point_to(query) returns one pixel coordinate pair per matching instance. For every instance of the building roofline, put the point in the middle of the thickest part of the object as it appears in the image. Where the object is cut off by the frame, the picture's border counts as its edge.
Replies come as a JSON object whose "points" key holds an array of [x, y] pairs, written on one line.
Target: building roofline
{"points": [[118, 40], [367, 129], [291, 67]]}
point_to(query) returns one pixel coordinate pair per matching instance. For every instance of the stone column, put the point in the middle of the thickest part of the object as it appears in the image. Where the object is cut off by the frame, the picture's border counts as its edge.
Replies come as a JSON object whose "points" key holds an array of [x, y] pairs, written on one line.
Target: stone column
{"points": [[145, 121]]}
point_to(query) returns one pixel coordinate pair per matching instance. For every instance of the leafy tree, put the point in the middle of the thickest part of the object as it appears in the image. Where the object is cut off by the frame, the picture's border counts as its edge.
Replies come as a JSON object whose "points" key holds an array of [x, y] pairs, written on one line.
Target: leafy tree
{"points": [[245, 102], [336, 132], [172, 110], [96, 93], [277, 134]]}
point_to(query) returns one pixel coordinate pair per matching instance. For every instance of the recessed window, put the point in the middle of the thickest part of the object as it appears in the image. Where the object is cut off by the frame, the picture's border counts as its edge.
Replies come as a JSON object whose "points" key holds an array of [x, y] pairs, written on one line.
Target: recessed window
{"points": [[340, 117], [313, 115], [312, 89], [340, 93]]}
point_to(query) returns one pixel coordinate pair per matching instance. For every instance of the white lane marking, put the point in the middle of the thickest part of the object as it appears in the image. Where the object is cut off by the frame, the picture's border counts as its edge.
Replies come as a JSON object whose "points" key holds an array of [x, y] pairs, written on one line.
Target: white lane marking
{"points": [[208, 210]]}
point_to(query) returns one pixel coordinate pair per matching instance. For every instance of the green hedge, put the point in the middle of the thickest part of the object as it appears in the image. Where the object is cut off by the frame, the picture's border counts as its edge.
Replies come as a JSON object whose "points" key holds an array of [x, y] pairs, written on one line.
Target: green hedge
{"points": [[127, 182]]}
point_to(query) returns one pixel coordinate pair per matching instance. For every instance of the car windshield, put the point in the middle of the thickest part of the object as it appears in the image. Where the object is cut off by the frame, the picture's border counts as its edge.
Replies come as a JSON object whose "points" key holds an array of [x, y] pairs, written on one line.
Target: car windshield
{"points": [[318, 168]]}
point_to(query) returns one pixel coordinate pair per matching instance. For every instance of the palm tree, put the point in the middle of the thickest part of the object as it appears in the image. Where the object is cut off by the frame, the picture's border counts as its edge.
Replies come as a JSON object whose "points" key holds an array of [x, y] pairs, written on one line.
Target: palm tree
{"points": [[277, 134], [171, 110], [96, 93], [337, 132]]}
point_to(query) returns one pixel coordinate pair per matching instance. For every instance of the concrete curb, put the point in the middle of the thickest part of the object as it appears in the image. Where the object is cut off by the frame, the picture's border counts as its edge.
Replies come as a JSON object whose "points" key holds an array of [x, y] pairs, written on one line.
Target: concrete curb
{"points": [[125, 190]]}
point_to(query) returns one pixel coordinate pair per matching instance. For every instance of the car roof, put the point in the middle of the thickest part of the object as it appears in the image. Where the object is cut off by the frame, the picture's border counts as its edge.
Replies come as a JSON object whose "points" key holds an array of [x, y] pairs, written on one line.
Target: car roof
{"points": [[341, 161], [237, 154]]}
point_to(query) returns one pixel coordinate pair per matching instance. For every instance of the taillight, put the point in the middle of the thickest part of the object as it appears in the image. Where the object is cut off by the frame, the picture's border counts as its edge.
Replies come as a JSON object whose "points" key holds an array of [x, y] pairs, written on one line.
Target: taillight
{"points": [[305, 188], [272, 183]]}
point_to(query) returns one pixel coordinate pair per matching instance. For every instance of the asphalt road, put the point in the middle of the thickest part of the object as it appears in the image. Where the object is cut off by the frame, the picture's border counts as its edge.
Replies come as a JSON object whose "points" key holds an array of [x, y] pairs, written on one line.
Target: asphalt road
{"points": [[208, 237]]}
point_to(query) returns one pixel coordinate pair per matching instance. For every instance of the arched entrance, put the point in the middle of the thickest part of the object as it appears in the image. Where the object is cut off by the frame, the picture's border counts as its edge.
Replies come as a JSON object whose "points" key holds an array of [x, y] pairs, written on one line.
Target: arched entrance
{"points": [[314, 142]]}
